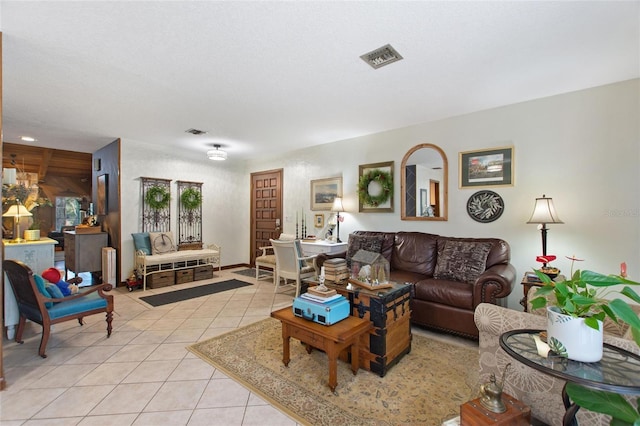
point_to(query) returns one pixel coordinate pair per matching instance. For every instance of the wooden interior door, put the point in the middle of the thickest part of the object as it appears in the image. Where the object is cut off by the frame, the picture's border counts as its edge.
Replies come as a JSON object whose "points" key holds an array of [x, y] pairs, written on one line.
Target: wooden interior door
{"points": [[266, 209], [434, 190]]}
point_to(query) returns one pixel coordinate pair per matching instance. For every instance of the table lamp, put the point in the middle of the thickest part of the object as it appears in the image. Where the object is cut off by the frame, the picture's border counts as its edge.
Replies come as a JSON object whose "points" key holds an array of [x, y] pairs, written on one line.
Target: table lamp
{"points": [[337, 207], [17, 211], [543, 213]]}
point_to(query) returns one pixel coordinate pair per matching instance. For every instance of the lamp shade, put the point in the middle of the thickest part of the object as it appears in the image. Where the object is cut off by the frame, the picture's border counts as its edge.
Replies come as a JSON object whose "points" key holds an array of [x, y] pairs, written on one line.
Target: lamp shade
{"points": [[17, 210], [337, 205], [544, 212]]}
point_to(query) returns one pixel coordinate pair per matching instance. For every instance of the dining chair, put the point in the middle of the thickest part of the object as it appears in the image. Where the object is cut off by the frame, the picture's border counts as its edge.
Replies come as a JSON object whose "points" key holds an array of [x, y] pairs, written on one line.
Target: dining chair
{"points": [[291, 264]]}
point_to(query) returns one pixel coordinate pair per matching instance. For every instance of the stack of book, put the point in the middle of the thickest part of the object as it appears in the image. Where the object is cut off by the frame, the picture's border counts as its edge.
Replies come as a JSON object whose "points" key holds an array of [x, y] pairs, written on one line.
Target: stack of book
{"points": [[315, 297], [335, 269]]}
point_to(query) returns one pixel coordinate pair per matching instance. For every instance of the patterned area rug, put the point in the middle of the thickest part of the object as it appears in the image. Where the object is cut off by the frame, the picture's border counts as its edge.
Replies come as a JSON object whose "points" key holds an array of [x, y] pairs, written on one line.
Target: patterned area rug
{"points": [[426, 387]]}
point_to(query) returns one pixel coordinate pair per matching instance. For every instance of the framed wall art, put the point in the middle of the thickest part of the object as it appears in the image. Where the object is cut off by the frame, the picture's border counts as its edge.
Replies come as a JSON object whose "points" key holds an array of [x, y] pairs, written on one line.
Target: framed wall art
{"points": [[102, 207], [324, 191], [375, 188], [319, 220], [487, 167]]}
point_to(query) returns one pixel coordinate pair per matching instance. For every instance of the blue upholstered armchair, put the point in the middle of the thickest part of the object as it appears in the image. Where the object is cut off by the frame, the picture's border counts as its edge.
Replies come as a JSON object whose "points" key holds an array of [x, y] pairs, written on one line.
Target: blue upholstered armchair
{"points": [[35, 303]]}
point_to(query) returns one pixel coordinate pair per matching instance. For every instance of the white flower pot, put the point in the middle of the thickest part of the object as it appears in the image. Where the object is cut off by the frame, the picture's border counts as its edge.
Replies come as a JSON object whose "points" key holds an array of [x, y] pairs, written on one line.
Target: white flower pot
{"points": [[572, 337]]}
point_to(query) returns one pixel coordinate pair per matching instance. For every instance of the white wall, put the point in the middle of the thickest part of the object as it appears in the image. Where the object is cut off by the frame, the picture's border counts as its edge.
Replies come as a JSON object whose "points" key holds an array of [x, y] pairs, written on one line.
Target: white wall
{"points": [[225, 197], [581, 149]]}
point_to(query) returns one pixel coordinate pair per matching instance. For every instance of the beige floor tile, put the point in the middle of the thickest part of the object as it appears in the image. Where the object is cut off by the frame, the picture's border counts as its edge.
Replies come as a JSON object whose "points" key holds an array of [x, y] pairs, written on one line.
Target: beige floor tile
{"points": [[182, 395], [110, 420], [167, 351], [84, 339], [63, 376], [151, 336], [192, 369], [224, 393], [127, 398], [166, 324], [151, 371], [118, 338], [201, 323], [67, 421], [260, 415], [94, 355], [164, 418], [224, 416], [76, 401], [18, 378], [108, 373], [132, 353], [215, 331], [190, 335], [226, 322], [24, 404]]}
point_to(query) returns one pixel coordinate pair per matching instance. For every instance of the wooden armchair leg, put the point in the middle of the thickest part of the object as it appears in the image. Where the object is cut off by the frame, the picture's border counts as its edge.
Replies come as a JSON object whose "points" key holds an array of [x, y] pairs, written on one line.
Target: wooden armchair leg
{"points": [[109, 319], [21, 323], [80, 321], [46, 330]]}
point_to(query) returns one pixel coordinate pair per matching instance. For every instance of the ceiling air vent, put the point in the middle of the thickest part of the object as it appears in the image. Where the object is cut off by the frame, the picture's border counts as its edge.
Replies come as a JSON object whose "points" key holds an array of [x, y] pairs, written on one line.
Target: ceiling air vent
{"points": [[381, 56], [196, 132]]}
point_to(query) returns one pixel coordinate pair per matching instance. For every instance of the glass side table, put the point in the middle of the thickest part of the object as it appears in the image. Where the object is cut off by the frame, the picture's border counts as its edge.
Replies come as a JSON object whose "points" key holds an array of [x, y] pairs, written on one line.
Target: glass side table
{"points": [[618, 371]]}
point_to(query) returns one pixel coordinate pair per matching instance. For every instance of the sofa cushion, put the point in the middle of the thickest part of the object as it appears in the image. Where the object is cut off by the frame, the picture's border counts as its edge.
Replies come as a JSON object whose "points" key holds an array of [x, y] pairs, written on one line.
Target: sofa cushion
{"points": [[141, 241], [162, 242], [415, 252], [371, 243], [42, 288], [388, 241], [458, 294], [54, 291], [462, 260]]}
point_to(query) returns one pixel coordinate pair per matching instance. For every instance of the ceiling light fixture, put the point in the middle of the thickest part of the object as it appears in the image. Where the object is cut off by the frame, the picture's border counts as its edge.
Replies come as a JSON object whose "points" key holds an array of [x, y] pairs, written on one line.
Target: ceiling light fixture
{"points": [[217, 154], [27, 139], [382, 56], [196, 131]]}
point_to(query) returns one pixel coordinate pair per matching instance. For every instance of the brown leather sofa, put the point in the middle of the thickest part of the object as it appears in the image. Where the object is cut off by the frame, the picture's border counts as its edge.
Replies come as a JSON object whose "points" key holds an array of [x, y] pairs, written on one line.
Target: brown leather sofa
{"points": [[446, 289]]}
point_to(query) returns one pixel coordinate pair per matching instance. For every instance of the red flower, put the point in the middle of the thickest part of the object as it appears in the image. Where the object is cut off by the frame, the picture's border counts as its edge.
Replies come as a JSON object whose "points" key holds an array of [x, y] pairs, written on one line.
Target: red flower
{"points": [[546, 259]]}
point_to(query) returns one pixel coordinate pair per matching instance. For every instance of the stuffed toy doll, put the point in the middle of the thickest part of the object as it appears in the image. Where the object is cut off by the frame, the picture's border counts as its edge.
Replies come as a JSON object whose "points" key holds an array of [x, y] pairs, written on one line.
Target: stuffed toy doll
{"points": [[55, 277]]}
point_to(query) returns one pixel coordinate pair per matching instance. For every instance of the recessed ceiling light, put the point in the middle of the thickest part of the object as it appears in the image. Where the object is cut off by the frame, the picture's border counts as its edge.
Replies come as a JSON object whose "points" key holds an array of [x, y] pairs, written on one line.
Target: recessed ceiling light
{"points": [[217, 154], [382, 56], [28, 139]]}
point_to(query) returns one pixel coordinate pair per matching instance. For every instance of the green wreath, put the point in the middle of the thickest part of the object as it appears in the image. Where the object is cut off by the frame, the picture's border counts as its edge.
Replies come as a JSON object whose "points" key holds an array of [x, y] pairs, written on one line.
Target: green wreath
{"points": [[191, 198], [157, 197], [384, 179]]}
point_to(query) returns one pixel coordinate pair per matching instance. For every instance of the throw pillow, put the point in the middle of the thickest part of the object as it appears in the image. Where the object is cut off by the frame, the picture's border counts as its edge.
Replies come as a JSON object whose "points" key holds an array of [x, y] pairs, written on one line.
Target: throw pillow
{"points": [[162, 242], [462, 261], [42, 288], [141, 241], [364, 242], [54, 291]]}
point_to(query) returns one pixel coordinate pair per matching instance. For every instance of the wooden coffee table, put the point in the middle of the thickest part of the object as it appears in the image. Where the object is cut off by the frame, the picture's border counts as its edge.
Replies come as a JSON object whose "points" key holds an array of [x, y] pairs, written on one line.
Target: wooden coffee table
{"points": [[331, 339]]}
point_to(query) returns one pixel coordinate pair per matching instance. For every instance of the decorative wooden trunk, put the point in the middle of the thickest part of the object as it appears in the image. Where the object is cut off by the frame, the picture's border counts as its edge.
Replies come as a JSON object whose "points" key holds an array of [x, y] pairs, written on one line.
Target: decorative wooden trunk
{"points": [[203, 272], [184, 276], [472, 413], [390, 314], [161, 279]]}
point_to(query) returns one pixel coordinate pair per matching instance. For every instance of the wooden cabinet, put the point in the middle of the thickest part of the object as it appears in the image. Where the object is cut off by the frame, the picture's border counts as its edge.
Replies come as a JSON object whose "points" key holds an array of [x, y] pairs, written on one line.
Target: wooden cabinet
{"points": [[83, 252]]}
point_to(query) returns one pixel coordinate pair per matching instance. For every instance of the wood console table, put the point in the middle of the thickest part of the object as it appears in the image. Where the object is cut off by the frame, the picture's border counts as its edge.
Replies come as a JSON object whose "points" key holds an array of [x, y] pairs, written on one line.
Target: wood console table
{"points": [[331, 339]]}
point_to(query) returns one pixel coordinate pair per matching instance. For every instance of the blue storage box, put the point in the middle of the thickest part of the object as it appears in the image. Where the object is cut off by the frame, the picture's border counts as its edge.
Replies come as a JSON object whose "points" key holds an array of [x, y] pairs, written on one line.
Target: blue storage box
{"points": [[325, 313]]}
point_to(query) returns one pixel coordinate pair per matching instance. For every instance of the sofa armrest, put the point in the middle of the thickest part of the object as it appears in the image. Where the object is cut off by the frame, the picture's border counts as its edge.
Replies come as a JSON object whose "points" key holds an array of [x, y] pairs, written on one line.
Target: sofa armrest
{"points": [[320, 259], [494, 283]]}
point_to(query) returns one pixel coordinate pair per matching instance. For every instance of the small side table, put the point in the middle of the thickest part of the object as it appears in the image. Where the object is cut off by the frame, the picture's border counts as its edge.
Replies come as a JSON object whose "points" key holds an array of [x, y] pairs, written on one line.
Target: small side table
{"points": [[618, 371], [331, 339], [472, 413], [526, 286]]}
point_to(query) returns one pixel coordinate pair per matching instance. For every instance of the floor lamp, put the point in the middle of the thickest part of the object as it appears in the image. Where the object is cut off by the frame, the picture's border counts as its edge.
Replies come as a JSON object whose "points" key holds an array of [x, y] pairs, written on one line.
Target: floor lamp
{"points": [[543, 213], [337, 207], [17, 211]]}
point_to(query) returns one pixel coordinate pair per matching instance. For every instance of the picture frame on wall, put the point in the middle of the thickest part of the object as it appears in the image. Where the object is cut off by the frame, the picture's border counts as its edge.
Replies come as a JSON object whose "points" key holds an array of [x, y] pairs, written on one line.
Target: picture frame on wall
{"points": [[102, 207], [375, 187], [486, 167], [319, 220], [324, 191]]}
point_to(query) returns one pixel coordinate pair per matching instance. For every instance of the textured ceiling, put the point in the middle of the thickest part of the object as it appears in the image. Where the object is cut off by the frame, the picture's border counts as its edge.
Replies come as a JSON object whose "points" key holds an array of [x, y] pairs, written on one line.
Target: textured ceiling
{"points": [[263, 77]]}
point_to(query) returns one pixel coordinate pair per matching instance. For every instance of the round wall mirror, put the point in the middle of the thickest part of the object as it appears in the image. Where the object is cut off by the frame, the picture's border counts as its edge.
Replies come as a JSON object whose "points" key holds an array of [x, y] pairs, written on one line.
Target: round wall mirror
{"points": [[424, 183]]}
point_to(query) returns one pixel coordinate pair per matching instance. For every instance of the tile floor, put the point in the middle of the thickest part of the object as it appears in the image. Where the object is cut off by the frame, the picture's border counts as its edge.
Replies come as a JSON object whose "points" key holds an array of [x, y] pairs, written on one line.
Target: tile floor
{"points": [[142, 374]]}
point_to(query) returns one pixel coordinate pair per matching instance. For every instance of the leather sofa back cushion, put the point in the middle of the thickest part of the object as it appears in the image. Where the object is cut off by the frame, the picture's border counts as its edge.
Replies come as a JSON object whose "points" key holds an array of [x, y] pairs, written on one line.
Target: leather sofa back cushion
{"points": [[363, 242], [415, 252], [462, 261]]}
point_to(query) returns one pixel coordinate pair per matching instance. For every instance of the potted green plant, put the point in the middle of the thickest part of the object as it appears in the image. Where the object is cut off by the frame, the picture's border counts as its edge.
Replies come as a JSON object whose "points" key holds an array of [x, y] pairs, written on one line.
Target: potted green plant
{"points": [[583, 296]]}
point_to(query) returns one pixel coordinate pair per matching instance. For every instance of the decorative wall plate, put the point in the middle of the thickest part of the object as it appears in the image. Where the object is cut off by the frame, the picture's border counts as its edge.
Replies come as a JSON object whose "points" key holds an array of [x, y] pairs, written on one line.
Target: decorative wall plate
{"points": [[485, 206]]}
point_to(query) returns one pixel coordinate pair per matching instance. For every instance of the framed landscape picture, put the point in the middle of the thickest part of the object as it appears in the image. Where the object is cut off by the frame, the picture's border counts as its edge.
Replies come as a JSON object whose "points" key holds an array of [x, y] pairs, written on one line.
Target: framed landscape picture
{"points": [[487, 167], [324, 191]]}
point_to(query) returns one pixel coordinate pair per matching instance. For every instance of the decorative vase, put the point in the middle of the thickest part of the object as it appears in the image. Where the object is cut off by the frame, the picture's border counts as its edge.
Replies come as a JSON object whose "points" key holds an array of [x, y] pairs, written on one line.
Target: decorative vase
{"points": [[571, 337], [32, 235]]}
